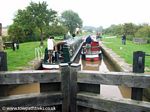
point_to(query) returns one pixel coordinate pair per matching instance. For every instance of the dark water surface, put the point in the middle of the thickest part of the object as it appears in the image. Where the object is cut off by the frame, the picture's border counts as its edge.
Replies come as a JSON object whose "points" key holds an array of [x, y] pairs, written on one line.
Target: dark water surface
{"points": [[106, 90]]}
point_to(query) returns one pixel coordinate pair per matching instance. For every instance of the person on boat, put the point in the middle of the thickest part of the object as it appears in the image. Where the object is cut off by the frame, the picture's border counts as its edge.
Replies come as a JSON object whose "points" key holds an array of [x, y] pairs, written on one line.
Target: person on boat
{"points": [[88, 40], [88, 43], [98, 36], [73, 35], [50, 47]]}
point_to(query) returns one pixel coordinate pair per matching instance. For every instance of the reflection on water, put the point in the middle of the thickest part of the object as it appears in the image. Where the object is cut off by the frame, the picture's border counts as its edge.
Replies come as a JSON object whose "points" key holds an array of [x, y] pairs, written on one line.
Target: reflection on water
{"points": [[102, 66], [90, 65], [25, 89], [125, 91], [110, 91], [94, 65], [106, 90]]}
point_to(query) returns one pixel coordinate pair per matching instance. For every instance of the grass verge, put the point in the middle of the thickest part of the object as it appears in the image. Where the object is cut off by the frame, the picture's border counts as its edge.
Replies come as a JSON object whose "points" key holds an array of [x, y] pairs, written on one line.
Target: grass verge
{"points": [[21, 57], [126, 51]]}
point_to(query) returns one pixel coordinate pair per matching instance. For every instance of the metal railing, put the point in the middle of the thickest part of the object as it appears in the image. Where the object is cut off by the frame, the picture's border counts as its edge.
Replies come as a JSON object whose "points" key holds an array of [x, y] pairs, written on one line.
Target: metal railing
{"points": [[39, 53]]}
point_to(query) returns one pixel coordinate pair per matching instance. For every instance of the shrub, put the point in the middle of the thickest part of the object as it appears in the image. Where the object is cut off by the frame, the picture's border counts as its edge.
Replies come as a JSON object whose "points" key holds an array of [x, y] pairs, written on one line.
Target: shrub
{"points": [[130, 37]]}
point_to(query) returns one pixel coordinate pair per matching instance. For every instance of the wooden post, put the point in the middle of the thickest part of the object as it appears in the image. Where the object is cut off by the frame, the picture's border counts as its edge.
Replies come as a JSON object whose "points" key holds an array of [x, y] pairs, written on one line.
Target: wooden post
{"points": [[3, 67], [3, 61], [3, 64], [138, 67], [73, 86], [65, 85]]}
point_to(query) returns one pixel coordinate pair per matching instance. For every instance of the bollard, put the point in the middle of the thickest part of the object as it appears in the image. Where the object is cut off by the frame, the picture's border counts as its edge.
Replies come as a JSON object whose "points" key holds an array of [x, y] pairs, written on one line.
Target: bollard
{"points": [[138, 67], [138, 62], [66, 53]]}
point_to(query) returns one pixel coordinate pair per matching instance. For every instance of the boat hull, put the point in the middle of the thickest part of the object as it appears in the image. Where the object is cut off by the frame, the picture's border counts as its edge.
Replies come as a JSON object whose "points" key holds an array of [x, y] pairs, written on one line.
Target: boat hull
{"points": [[48, 66], [92, 53], [94, 57]]}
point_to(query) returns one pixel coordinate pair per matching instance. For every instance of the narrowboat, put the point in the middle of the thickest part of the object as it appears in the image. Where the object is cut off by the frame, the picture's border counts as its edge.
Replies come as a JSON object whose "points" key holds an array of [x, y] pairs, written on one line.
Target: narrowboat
{"points": [[67, 52], [92, 53]]}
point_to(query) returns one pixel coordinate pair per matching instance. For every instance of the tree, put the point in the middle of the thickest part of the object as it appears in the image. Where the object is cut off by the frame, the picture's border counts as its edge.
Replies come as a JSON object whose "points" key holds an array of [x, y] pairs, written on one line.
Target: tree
{"points": [[114, 30], [16, 32], [129, 29], [71, 20], [35, 17], [56, 30], [143, 32], [41, 16], [23, 22]]}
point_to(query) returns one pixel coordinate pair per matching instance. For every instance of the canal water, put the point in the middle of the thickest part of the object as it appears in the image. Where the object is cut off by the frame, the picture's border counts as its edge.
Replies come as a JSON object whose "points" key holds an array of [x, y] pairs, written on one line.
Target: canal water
{"points": [[102, 66], [106, 90]]}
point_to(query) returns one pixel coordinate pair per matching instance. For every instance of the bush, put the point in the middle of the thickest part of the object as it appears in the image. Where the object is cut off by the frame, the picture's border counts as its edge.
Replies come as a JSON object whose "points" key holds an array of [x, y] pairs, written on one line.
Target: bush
{"points": [[55, 30], [130, 37], [6, 38], [59, 38], [148, 40]]}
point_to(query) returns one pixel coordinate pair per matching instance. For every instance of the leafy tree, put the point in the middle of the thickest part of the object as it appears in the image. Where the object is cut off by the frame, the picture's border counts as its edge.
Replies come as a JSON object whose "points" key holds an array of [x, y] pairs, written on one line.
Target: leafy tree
{"points": [[41, 16], [60, 30], [143, 32], [36, 17], [129, 28], [16, 32], [114, 30], [56, 30], [24, 20], [71, 20]]}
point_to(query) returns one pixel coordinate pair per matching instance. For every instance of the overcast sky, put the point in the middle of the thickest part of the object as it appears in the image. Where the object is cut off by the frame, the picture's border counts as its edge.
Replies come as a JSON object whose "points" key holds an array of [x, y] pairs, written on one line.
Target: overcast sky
{"points": [[92, 12]]}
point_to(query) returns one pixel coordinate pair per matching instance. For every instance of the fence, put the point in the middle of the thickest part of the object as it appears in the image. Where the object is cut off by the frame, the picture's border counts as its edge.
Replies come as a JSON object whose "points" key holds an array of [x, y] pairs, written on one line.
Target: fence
{"points": [[73, 89], [140, 40]]}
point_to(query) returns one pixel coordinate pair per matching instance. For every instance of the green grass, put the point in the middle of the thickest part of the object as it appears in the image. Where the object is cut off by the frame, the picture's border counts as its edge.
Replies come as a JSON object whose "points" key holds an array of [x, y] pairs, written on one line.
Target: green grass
{"points": [[126, 51], [26, 53], [21, 57], [59, 38]]}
